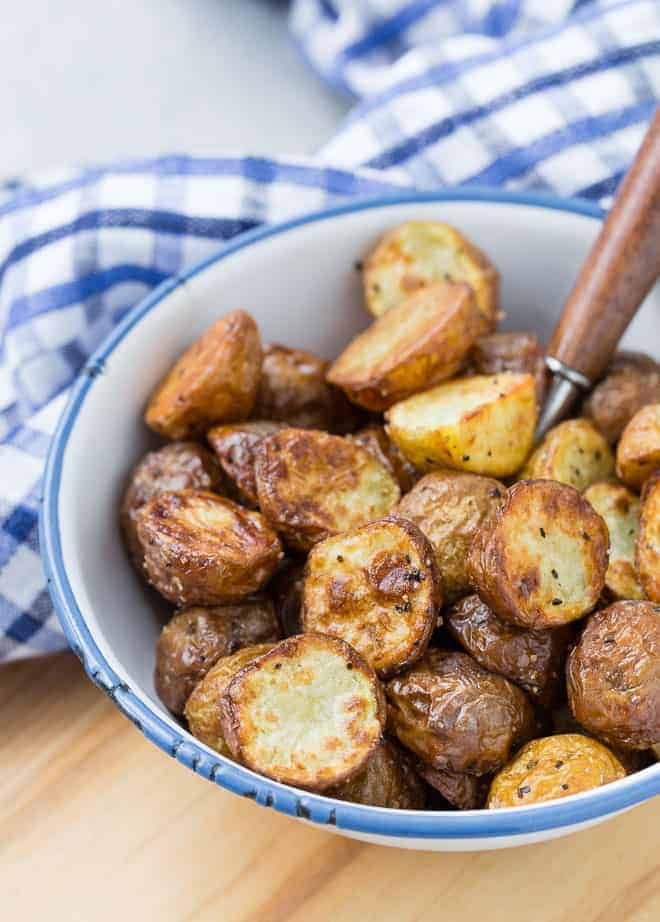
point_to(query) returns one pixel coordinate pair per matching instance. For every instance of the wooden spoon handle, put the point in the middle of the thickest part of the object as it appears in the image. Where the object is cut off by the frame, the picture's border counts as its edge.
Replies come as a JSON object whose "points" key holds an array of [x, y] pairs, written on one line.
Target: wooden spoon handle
{"points": [[623, 265]]}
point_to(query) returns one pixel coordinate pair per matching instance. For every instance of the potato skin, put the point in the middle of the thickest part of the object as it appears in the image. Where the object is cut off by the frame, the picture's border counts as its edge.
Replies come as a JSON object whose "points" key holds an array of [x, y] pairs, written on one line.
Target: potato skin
{"points": [[195, 638], [647, 552], [517, 352], [286, 590], [177, 466], [234, 445], [572, 452], [465, 792], [379, 444], [450, 507], [638, 451], [632, 381], [534, 660], [613, 675], [214, 380], [619, 509], [541, 560], [202, 549], [312, 485], [387, 780], [455, 716], [553, 767]]}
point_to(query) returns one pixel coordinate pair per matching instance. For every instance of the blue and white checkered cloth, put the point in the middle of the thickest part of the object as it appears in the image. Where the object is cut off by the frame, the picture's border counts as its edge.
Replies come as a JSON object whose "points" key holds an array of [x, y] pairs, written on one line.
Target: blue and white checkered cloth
{"points": [[528, 93]]}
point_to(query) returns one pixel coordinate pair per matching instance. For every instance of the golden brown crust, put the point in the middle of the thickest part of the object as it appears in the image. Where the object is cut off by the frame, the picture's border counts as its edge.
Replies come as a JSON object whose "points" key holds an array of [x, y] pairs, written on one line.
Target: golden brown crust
{"points": [[387, 780], [378, 443], [647, 553], [541, 560], [638, 451], [619, 509], [377, 588], [613, 675], [573, 452], [518, 352], [214, 380], [465, 792], [202, 549], [633, 380], [234, 445]]}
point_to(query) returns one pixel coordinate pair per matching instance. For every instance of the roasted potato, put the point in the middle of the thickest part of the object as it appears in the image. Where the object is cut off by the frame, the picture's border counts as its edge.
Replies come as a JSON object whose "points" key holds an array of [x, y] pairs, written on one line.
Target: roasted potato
{"points": [[215, 380], [638, 451], [534, 660], [518, 352], [455, 716], [377, 588], [572, 452], [450, 507], [620, 510], [309, 713], [380, 445], [553, 767], [483, 424], [647, 554], [177, 466], [195, 638], [202, 710], [387, 780], [202, 549], [418, 253], [234, 445], [312, 485], [541, 560], [633, 760], [613, 675], [416, 344], [465, 792], [632, 381], [286, 589]]}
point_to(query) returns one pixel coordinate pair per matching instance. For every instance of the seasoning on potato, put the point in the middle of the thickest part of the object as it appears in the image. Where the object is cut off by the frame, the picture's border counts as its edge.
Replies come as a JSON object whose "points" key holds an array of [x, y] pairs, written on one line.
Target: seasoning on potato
{"points": [[638, 451], [380, 445], [572, 452], [483, 424], [202, 549], [387, 780], [465, 792], [234, 445], [519, 352], [632, 381], [377, 588], [647, 553], [312, 485], [309, 713], [541, 560], [554, 767], [619, 509], [215, 380]]}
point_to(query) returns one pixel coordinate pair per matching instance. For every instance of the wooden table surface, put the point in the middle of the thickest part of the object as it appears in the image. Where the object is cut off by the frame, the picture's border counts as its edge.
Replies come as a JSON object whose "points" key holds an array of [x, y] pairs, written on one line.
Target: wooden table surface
{"points": [[97, 824]]}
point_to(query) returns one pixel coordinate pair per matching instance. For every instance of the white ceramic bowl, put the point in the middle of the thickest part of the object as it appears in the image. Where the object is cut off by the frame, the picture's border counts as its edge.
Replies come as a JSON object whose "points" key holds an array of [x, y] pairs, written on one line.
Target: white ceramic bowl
{"points": [[299, 282]]}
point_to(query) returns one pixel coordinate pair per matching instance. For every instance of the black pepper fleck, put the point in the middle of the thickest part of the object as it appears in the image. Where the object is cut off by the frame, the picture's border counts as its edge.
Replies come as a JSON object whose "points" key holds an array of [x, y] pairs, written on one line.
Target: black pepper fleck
{"points": [[554, 573], [557, 602], [542, 530], [525, 789]]}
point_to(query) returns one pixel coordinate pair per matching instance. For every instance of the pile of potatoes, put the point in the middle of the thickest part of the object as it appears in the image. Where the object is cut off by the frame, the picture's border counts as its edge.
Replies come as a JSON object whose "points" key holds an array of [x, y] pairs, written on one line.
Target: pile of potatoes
{"points": [[382, 589]]}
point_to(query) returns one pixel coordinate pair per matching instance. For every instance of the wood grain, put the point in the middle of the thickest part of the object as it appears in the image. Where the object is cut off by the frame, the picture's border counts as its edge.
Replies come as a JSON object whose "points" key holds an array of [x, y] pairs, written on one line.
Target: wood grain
{"points": [[97, 824]]}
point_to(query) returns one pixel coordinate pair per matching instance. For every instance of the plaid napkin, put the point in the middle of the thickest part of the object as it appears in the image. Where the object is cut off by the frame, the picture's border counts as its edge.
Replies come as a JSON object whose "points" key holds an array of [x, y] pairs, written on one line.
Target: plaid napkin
{"points": [[526, 93]]}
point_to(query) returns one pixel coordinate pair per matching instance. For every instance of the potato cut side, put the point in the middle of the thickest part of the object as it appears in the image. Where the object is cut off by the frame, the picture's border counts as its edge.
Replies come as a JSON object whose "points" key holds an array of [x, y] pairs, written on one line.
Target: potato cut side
{"points": [[234, 445], [215, 380], [516, 351], [638, 451], [312, 485], [573, 452], [416, 344], [541, 561], [377, 588], [648, 540], [418, 253], [309, 713], [483, 424], [620, 510]]}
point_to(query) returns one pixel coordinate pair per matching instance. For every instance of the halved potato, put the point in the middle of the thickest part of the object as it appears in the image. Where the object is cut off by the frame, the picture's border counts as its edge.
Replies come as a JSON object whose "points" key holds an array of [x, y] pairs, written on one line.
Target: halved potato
{"points": [[648, 540], [215, 380], [541, 560], [387, 780], [234, 445], [638, 451], [202, 549], [519, 352], [380, 445], [377, 588], [416, 344], [620, 510], [484, 424], [309, 713], [572, 452], [312, 485], [418, 253], [631, 382]]}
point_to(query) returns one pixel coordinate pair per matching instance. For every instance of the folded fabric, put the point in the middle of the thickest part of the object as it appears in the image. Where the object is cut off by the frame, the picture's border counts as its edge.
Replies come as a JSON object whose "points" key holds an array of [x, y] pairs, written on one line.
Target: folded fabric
{"points": [[525, 93]]}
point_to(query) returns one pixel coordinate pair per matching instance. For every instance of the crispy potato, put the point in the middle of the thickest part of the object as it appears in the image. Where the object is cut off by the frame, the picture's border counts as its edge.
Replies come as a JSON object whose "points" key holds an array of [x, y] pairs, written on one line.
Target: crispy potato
{"points": [[380, 445], [638, 452], [541, 560], [377, 588], [312, 485], [619, 508], [455, 716], [483, 424], [647, 554], [202, 710], [215, 380], [465, 792], [632, 381], [234, 445], [553, 767], [195, 638], [388, 780], [534, 660], [518, 352], [418, 253], [309, 713], [177, 466], [613, 675], [416, 344], [633, 760], [201, 549], [572, 452], [450, 507]]}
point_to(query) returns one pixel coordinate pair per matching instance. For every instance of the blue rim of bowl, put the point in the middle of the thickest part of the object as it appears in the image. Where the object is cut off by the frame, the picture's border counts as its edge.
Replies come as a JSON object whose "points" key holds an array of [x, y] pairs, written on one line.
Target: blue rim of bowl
{"points": [[173, 739]]}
